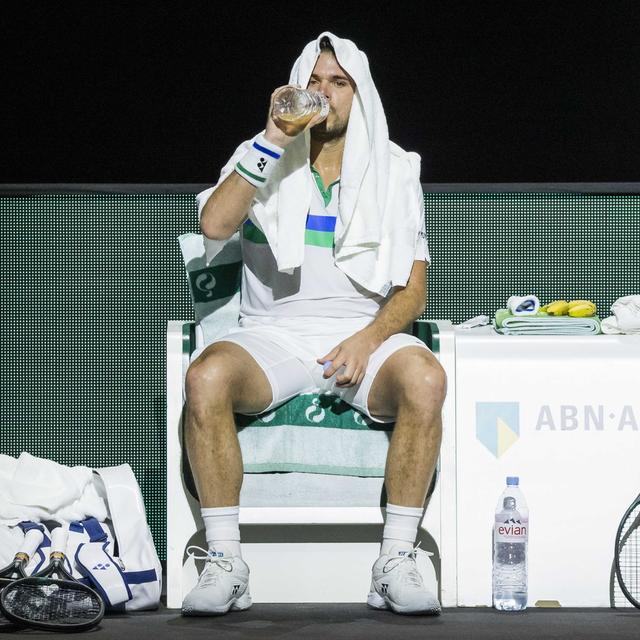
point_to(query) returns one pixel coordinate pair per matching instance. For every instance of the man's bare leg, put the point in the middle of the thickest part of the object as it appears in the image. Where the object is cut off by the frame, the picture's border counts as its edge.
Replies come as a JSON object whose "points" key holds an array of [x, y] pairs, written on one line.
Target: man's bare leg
{"points": [[411, 385], [224, 379]]}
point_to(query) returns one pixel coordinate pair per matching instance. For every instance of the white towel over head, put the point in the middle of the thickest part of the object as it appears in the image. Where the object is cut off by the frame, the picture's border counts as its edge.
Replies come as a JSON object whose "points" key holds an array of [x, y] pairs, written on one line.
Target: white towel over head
{"points": [[381, 204]]}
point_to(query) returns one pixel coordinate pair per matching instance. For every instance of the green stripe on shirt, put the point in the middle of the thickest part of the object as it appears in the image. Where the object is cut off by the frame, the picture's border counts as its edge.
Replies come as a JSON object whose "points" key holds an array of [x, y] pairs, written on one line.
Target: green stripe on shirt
{"points": [[319, 238]]}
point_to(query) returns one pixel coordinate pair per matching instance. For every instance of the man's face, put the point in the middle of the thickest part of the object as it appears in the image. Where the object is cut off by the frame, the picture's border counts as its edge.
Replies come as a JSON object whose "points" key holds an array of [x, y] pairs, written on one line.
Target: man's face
{"points": [[330, 78]]}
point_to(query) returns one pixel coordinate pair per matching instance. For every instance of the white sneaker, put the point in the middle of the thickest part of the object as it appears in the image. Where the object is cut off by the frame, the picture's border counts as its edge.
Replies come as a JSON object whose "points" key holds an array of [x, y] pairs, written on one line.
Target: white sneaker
{"points": [[396, 584], [223, 585]]}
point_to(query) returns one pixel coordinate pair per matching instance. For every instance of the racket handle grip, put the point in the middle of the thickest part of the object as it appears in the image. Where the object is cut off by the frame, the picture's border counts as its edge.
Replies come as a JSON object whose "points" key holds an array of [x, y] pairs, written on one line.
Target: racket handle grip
{"points": [[59, 538], [32, 540]]}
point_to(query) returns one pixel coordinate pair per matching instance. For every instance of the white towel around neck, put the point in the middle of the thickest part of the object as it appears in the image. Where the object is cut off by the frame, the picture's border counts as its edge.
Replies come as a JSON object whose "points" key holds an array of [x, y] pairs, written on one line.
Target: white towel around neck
{"points": [[381, 202]]}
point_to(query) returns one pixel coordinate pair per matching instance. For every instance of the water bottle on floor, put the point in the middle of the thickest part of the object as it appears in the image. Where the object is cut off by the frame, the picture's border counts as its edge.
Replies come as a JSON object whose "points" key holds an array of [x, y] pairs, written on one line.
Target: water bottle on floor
{"points": [[510, 535]]}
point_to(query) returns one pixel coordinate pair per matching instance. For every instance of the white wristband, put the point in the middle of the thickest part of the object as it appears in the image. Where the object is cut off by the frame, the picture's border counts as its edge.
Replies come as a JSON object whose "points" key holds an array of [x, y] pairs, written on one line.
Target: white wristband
{"points": [[259, 162]]}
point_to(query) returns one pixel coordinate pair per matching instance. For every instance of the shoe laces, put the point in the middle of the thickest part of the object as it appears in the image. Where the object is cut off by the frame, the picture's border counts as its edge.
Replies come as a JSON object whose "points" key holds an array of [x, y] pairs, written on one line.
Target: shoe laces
{"points": [[406, 565], [214, 564]]}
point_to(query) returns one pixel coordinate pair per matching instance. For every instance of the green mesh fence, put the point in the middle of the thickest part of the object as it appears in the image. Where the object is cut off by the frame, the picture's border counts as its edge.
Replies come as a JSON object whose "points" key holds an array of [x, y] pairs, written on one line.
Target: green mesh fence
{"points": [[90, 280], [89, 283], [487, 247]]}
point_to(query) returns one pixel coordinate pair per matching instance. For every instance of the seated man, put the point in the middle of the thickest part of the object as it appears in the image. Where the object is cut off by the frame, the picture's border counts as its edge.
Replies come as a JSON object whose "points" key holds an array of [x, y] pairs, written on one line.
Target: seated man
{"points": [[334, 251]]}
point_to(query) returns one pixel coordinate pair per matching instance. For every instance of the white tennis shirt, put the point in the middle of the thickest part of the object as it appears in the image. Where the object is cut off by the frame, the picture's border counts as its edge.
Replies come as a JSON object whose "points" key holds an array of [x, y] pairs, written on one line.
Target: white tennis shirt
{"points": [[317, 288]]}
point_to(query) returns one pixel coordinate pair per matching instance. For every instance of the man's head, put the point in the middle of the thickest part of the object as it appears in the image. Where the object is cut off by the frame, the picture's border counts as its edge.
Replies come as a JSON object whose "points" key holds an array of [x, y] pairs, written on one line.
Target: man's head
{"points": [[330, 78]]}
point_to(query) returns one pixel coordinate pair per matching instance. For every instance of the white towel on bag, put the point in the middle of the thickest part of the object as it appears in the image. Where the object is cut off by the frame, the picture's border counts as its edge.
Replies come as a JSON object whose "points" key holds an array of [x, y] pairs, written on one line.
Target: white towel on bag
{"points": [[37, 489], [381, 208]]}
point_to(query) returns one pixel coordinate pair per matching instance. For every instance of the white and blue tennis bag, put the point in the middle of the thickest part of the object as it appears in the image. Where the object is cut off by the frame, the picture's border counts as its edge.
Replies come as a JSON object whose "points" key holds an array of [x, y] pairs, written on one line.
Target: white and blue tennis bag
{"points": [[117, 558]]}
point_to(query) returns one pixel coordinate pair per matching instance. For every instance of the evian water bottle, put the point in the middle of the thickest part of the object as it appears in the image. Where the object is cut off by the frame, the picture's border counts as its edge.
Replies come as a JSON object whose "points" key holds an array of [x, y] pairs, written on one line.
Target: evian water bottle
{"points": [[510, 535], [298, 106]]}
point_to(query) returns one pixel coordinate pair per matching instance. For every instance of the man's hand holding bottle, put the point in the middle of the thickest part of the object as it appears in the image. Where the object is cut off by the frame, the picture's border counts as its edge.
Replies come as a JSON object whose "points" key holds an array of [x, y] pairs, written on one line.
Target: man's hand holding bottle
{"points": [[287, 119]]}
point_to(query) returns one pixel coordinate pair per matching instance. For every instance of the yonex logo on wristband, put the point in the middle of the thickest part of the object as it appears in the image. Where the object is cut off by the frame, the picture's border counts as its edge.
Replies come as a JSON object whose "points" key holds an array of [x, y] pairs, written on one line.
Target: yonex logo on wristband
{"points": [[259, 162]]}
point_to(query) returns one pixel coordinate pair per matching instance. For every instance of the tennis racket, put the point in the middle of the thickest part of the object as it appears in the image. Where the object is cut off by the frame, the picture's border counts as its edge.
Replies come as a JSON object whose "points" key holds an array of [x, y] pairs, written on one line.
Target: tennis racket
{"points": [[14, 571], [52, 599], [627, 554]]}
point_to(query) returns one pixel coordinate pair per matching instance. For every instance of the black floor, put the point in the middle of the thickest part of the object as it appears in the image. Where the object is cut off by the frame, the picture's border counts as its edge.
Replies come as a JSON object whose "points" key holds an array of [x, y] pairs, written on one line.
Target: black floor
{"points": [[355, 621]]}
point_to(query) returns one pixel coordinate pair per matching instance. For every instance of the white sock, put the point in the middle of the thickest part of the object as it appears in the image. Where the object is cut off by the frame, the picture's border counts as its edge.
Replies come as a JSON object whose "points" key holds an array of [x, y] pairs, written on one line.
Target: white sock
{"points": [[222, 529], [400, 528]]}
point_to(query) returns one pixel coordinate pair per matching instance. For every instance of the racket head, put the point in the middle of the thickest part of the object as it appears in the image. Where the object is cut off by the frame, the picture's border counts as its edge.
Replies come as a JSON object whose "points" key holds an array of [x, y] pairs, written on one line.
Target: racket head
{"points": [[4, 621], [627, 554], [51, 604]]}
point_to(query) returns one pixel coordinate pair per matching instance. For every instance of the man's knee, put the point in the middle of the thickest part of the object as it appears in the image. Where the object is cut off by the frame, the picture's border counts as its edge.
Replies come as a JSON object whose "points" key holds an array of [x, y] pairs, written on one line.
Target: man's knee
{"points": [[208, 378], [423, 382], [225, 375]]}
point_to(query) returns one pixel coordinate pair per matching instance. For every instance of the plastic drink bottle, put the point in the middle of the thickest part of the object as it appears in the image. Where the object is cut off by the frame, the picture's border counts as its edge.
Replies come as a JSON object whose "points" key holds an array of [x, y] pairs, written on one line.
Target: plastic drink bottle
{"points": [[298, 106], [510, 536]]}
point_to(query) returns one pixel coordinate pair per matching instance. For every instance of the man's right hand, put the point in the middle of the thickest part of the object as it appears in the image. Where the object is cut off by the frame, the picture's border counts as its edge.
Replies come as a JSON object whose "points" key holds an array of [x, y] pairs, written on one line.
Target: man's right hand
{"points": [[284, 133]]}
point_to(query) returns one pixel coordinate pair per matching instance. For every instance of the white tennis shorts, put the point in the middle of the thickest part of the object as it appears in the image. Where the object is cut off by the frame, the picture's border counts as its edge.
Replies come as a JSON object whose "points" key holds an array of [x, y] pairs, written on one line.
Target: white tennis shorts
{"points": [[286, 349]]}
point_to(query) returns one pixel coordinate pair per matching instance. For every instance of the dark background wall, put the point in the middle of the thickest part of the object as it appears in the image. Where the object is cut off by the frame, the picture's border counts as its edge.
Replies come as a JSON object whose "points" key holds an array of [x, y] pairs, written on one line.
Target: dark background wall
{"points": [[485, 91]]}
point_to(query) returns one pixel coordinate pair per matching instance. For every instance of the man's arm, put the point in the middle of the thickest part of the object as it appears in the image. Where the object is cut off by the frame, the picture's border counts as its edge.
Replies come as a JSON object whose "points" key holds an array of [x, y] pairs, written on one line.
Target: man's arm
{"points": [[405, 305], [228, 206]]}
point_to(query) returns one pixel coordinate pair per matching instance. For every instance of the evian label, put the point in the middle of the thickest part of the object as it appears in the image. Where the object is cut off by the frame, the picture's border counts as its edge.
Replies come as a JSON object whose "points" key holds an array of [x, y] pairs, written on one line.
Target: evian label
{"points": [[511, 529]]}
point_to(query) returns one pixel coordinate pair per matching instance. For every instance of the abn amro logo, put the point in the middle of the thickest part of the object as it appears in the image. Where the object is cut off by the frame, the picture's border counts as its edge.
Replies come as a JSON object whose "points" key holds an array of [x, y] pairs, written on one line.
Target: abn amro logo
{"points": [[497, 425]]}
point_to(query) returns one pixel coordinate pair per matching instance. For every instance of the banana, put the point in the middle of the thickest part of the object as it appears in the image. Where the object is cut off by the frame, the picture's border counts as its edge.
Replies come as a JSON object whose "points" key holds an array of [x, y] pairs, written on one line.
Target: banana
{"points": [[557, 308], [584, 310], [573, 303]]}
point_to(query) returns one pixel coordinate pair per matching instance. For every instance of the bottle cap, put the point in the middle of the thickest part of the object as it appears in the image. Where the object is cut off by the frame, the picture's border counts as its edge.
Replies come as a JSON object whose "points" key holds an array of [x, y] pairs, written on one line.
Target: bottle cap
{"points": [[512, 481]]}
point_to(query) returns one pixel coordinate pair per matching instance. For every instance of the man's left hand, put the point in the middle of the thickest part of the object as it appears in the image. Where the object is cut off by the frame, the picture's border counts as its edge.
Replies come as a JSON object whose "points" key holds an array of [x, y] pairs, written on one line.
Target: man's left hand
{"points": [[353, 353]]}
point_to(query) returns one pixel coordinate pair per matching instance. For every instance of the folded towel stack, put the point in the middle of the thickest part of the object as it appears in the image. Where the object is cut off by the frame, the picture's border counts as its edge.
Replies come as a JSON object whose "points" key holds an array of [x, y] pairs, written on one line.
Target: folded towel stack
{"points": [[544, 324], [525, 317]]}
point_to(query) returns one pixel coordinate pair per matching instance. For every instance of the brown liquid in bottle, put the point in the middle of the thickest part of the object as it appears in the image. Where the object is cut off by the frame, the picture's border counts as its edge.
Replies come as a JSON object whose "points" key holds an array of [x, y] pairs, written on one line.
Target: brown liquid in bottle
{"points": [[291, 118], [294, 108]]}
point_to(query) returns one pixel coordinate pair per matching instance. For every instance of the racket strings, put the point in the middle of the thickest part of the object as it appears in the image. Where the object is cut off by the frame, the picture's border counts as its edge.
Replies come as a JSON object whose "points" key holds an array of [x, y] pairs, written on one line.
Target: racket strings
{"points": [[52, 602]]}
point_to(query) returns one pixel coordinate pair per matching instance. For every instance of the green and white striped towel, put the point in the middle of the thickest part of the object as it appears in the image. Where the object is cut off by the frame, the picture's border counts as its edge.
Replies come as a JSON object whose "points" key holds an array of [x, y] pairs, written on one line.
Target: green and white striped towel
{"points": [[214, 270], [314, 433]]}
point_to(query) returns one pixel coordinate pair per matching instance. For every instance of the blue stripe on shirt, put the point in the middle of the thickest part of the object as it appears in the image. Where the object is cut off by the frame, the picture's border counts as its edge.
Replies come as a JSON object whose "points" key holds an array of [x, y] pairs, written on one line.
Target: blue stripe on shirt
{"points": [[321, 223]]}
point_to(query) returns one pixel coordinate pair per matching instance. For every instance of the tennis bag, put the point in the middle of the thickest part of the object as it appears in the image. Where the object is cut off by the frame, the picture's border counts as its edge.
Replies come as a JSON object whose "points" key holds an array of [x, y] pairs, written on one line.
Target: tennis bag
{"points": [[117, 558]]}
